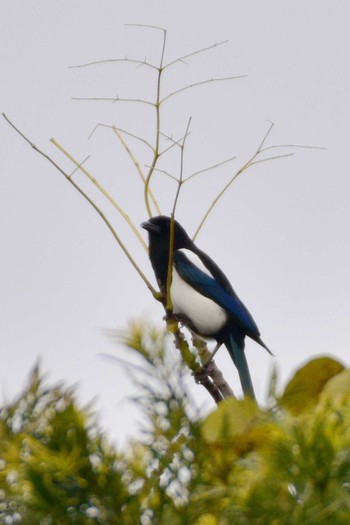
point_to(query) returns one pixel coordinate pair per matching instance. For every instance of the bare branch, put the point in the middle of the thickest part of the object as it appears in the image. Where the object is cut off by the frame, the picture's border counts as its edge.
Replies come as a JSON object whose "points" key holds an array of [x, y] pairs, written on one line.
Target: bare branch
{"points": [[129, 152], [140, 139], [169, 305], [271, 158], [137, 166], [146, 26], [190, 86], [159, 170], [104, 192], [219, 380], [209, 168], [253, 160], [301, 146], [174, 142], [202, 378], [181, 180], [158, 128], [115, 99], [78, 167], [124, 131], [201, 375], [189, 55], [269, 129], [92, 203], [115, 60]]}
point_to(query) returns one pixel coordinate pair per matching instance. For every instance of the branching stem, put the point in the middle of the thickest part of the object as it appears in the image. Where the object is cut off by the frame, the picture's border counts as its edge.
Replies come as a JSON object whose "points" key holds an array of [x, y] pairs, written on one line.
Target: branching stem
{"points": [[158, 127], [251, 162], [137, 166], [92, 203], [104, 192]]}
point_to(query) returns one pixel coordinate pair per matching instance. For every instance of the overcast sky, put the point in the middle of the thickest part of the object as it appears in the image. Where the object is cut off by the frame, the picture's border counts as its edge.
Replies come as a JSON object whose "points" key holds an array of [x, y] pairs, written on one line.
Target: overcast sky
{"points": [[281, 233]]}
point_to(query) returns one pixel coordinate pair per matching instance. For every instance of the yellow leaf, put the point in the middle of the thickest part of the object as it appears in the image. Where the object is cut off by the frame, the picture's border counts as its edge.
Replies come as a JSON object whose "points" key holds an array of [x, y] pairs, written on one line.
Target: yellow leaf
{"points": [[337, 389], [305, 387], [232, 419], [206, 519]]}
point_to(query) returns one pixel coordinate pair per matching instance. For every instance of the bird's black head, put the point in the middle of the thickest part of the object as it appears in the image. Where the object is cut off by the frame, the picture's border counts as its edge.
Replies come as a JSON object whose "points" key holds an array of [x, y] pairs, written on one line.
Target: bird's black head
{"points": [[159, 244], [159, 232]]}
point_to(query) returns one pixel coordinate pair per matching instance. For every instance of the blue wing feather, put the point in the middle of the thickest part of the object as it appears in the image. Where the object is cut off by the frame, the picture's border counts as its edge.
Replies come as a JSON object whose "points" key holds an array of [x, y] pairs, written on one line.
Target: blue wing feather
{"points": [[209, 287]]}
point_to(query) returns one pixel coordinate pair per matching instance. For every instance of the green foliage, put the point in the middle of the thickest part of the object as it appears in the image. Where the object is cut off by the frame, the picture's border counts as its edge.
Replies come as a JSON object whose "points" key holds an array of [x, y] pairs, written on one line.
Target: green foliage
{"points": [[288, 463], [55, 466]]}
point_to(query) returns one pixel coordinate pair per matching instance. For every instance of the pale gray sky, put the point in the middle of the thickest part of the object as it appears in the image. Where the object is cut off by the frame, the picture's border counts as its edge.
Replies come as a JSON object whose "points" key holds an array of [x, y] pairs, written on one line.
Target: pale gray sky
{"points": [[281, 234]]}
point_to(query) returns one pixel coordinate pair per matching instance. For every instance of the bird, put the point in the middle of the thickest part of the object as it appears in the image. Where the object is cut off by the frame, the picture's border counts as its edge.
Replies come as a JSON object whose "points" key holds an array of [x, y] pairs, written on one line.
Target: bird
{"points": [[201, 295]]}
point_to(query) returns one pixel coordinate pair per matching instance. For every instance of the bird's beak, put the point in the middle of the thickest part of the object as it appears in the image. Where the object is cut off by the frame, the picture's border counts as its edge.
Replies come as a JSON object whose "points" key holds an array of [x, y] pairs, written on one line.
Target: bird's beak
{"points": [[149, 226]]}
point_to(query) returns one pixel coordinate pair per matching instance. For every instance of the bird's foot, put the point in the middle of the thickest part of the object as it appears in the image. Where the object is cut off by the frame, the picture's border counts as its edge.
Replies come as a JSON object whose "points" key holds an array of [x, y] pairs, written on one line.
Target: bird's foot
{"points": [[210, 358]]}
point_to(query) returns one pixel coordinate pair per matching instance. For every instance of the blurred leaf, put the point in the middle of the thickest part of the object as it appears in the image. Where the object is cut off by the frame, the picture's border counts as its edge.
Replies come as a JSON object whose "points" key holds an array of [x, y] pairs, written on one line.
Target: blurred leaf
{"points": [[304, 388], [237, 424], [337, 389], [241, 465], [231, 418], [207, 519]]}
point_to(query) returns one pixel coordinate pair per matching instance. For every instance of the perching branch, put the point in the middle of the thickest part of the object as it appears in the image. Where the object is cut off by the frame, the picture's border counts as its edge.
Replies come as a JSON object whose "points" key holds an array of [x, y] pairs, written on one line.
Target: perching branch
{"points": [[209, 377]]}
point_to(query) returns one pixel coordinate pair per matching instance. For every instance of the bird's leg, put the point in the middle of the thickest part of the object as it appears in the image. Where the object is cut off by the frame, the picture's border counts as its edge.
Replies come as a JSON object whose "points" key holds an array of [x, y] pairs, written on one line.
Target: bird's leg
{"points": [[210, 358], [182, 319]]}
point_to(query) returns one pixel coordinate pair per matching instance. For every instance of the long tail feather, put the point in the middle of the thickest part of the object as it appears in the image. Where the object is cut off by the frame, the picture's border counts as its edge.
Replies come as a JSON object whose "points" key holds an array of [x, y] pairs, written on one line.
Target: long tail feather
{"points": [[238, 356], [261, 342]]}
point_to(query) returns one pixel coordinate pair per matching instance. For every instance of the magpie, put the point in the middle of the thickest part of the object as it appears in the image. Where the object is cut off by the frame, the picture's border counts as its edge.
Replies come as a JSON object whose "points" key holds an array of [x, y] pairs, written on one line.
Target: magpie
{"points": [[201, 295]]}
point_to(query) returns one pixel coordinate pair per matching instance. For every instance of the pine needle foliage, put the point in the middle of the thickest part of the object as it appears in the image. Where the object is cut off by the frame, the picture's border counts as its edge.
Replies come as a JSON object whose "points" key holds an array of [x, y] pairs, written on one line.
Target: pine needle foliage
{"points": [[287, 463]]}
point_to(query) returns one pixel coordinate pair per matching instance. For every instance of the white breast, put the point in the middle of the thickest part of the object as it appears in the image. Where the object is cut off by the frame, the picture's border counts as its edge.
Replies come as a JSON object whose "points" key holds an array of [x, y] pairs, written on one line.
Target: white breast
{"points": [[205, 315]]}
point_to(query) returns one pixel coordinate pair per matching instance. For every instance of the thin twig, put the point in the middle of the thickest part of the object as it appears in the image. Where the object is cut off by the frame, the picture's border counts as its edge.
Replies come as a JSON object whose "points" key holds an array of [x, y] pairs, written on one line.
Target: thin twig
{"points": [[78, 167], [235, 176], [294, 146], [159, 170], [144, 141], [158, 127], [124, 131], [114, 60], [137, 166], [209, 168], [91, 202], [266, 135], [181, 179], [169, 305], [284, 155], [147, 26], [104, 192], [193, 53], [173, 142], [195, 84], [115, 99]]}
